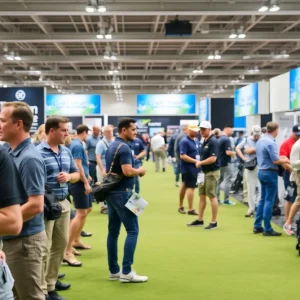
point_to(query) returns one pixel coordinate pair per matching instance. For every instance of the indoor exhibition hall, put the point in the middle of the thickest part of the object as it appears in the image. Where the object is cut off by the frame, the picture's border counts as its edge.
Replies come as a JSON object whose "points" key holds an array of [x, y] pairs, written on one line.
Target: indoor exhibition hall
{"points": [[149, 149]]}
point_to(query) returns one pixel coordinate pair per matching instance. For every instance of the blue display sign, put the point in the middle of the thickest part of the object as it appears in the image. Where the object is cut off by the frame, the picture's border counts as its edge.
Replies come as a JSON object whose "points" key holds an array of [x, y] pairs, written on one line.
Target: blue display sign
{"points": [[34, 97], [295, 89], [246, 100], [166, 104], [204, 110], [73, 105]]}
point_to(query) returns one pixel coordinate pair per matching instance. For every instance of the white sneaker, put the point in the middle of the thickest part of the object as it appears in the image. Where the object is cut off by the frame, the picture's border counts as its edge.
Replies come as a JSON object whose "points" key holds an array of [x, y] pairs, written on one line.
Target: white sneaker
{"points": [[177, 184], [113, 277], [132, 278]]}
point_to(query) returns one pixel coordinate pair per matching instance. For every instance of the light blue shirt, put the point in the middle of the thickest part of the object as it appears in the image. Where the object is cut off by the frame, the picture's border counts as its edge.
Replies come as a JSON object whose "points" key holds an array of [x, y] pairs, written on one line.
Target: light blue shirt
{"points": [[247, 143], [267, 151], [101, 149], [91, 144]]}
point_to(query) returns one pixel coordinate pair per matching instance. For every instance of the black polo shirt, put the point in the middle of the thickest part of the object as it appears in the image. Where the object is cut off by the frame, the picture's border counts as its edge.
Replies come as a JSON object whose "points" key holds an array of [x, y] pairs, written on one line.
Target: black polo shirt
{"points": [[210, 148], [224, 145], [11, 186]]}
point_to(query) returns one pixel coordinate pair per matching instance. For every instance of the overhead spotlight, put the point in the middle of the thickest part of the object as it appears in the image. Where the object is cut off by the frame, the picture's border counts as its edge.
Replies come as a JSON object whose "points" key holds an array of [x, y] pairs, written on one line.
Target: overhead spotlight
{"points": [[263, 8], [8, 57], [106, 55], [108, 36], [113, 56], [198, 70], [254, 70], [210, 56], [90, 8], [101, 9], [271, 5], [217, 55], [233, 34], [100, 36], [18, 57], [274, 8]]}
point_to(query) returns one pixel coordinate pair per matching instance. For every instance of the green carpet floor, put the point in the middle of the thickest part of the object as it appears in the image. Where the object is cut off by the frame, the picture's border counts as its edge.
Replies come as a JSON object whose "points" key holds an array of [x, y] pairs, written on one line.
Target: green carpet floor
{"points": [[191, 263]]}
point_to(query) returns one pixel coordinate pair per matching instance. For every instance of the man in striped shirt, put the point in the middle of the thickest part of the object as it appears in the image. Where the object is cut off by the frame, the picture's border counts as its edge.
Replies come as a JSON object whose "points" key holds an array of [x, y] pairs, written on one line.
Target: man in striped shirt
{"points": [[61, 169]]}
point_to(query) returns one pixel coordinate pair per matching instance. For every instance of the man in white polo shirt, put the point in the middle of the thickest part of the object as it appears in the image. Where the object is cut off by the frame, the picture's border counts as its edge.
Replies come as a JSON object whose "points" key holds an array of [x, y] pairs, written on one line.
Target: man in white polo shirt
{"points": [[159, 149]]}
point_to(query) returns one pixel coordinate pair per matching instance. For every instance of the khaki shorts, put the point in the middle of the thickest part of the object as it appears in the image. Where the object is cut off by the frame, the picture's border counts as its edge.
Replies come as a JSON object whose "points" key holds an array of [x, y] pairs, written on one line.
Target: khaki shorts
{"points": [[209, 187]]}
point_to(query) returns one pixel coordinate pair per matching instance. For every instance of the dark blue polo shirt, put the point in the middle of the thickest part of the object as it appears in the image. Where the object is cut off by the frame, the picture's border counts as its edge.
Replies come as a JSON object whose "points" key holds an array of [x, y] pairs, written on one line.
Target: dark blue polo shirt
{"points": [[210, 148], [123, 157], [188, 146], [224, 145], [32, 171], [136, 147], [78, 152]]}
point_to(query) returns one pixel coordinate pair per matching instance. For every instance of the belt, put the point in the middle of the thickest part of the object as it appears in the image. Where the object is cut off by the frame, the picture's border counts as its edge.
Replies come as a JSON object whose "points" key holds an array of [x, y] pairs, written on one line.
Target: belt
{"points": [[92, 162], [126, 190], [269, 170]]}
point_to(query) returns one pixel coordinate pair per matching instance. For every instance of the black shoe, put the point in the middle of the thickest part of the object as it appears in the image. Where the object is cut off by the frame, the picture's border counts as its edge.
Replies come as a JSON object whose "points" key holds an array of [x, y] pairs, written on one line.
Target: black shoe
{"points": [[211, 226], [258, 230], [54, 296], [164, 169], [196, 223], [272, 233], [192, 212], [61, 276], [86, 234], [59, 286]]}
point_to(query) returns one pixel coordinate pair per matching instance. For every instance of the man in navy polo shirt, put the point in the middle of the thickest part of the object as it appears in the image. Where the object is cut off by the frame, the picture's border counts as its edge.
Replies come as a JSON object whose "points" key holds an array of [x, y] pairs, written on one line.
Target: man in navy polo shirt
{"points": [[91, 144], [24, 252], [189, 155], [61, 170], [81, 190], [225, 155], [118, 213], [138, 152]]}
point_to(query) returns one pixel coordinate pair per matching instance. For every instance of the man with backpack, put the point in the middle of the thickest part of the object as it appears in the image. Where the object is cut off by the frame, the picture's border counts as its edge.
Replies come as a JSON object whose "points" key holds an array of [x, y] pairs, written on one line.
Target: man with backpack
{"points": [[101, 149]]}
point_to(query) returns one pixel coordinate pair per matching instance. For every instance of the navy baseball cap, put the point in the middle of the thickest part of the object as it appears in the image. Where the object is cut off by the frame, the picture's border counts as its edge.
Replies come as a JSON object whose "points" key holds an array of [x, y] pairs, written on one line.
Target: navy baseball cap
{"points": [[296, 129]]}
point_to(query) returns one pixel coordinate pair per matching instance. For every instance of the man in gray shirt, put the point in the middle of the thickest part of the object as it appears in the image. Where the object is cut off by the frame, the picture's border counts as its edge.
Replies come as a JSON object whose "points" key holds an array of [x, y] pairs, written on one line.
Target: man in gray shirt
{"points": [[91, 144], [24, 252], [181, 135], [249, 146]]}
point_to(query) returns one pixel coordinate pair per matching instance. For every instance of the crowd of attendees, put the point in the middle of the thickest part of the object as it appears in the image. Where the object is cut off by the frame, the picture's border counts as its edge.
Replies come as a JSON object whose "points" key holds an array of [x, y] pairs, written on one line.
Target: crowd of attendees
{"points": [[69, 164]]}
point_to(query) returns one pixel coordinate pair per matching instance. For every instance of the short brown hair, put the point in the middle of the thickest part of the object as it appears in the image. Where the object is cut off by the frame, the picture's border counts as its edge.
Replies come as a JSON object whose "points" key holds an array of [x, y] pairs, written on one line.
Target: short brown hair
{"points": [[82, 128], [272, 126], [21, 111], [53, 122]]}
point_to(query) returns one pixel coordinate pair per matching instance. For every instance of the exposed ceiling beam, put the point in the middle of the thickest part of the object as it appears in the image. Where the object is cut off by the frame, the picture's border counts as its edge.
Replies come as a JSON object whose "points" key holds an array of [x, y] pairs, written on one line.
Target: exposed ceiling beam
{"points": [[146, 8], [142, 72], [153, 58], [147, 37]]}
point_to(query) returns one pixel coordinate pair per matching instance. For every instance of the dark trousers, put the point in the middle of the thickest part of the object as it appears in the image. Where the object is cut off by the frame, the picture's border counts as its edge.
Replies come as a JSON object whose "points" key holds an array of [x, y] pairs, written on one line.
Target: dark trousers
{"points": [[119, 214], [92, 170]]}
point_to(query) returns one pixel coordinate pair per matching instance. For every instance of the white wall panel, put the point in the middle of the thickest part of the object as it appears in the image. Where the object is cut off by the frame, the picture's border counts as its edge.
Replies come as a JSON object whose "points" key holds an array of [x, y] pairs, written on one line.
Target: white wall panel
{"points": [[263, 98], [280, 93]]}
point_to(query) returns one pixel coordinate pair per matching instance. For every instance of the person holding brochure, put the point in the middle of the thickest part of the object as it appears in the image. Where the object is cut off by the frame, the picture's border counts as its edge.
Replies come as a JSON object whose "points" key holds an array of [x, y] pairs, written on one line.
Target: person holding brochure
{"points": [[119, 157]]}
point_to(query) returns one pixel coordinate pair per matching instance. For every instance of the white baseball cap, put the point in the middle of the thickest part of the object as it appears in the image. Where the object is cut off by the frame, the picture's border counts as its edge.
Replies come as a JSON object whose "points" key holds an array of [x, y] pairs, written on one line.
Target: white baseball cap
{"points": [[205, 124], [256, 130]]}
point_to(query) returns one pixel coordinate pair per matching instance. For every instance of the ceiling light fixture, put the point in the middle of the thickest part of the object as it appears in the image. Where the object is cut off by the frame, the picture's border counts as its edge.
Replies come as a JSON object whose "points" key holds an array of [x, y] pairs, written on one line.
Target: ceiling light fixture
{"points": [[254, 70], [269, 5], [210, 56], [233, 34], [217, 55], [198, 70], [108, 36], [101, 9]]}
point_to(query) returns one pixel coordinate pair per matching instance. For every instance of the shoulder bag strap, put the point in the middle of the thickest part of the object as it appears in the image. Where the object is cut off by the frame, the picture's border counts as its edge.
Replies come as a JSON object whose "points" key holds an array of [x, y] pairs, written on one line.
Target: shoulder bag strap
{"points": [[114, 157], [105, 143]]}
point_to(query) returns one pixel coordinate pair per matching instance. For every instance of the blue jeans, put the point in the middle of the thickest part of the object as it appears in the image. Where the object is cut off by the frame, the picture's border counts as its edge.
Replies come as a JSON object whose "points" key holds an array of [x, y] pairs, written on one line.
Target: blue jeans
{"points": [[176, 170], [118, 214], [137, 164], [269, 186]]}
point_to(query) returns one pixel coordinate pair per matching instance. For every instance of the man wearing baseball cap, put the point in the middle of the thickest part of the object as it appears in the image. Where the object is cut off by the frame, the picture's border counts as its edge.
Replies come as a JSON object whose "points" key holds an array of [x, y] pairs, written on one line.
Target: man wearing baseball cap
{"points": [[208, 183], [189, 155], [291, 188]]}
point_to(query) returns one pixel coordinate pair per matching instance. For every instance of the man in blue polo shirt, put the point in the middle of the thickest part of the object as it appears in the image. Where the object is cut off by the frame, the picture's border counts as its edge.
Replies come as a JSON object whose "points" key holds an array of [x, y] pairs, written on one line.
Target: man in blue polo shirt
{"points": [[24, 252], [119, 153], [61, 170], [225, 154], [268, 159], [138, 152], [91, 144], [189, 155]]}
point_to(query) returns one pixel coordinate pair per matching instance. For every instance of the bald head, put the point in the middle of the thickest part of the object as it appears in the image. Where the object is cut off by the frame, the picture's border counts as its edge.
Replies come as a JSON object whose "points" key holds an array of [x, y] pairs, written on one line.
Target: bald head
{"points": [[96, 130], [108, 132]]}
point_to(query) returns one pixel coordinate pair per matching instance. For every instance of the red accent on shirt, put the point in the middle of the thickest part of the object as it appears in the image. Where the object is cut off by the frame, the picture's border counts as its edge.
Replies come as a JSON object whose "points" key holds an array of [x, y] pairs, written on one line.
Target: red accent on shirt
{"points": [[286, 147]]}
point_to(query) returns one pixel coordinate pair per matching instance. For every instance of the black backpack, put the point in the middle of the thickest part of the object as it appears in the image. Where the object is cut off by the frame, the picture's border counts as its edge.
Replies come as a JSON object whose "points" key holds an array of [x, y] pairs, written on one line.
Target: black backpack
{"points": [[52, 208]]}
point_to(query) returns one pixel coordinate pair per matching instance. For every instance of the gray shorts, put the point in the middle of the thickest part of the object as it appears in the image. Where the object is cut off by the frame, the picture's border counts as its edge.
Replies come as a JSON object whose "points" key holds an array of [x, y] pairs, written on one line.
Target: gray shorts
{"points": [[5, 291]]}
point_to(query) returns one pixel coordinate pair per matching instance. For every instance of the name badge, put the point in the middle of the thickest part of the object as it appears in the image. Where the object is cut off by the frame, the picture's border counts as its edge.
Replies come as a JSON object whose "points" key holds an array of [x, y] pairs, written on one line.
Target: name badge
{"points": [[198, 157], [200, 178], [132, 151], [62, 185]]}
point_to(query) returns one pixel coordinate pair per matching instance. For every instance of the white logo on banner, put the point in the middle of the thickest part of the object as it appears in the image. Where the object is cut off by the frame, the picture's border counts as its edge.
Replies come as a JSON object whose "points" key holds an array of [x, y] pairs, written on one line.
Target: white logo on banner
{"points": [[20, 95]]}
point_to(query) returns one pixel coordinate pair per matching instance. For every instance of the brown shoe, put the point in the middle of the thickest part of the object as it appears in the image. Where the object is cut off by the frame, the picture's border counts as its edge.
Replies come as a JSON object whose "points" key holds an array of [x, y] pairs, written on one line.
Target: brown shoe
{"points": [[193, 213], [181, 210]]}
